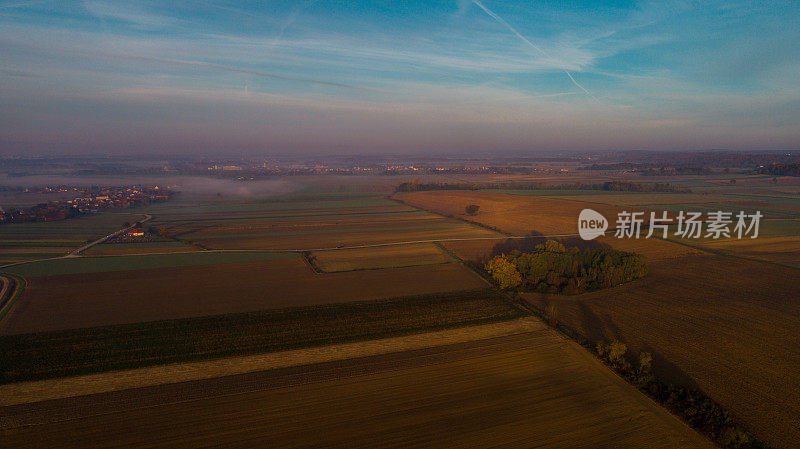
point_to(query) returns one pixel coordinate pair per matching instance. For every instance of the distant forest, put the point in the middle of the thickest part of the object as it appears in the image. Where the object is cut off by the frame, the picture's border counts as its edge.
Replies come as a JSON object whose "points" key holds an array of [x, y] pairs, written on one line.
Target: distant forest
{"points": [[612, 186], [781, 170], [651, 170]]}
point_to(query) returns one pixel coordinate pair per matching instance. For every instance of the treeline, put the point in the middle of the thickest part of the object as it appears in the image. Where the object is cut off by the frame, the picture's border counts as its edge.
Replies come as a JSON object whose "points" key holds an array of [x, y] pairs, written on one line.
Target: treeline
{"points": [[781, 170], [650, 169], [692, 405], [551, 268], [616, 186]]}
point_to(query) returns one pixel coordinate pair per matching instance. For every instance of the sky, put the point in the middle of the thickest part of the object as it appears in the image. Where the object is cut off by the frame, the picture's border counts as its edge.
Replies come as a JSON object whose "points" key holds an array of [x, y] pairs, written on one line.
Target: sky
{"points": [[421, 77]]}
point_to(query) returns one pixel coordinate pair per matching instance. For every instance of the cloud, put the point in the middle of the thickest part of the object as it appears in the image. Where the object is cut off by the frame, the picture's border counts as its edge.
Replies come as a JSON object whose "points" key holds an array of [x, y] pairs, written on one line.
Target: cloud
{"points": [[128, 13]]}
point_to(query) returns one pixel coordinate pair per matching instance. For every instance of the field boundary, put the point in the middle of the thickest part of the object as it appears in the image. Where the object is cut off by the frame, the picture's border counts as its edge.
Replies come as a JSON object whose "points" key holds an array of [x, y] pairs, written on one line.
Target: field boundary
{"points": [[733, 256], [464, 220], [309, 257], [181, 340], [674, 408], [36, 391]]}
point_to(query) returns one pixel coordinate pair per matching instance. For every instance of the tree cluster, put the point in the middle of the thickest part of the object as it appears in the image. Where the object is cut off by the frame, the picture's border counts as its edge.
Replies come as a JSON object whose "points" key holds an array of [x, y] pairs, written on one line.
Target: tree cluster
{"points": [[692, 405], [551, 268]]}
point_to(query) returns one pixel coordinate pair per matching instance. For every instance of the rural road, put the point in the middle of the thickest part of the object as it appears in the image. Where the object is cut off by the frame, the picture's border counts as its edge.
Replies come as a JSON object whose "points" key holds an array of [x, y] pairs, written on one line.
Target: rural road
{"points": [[5, 291], [78, 251]]}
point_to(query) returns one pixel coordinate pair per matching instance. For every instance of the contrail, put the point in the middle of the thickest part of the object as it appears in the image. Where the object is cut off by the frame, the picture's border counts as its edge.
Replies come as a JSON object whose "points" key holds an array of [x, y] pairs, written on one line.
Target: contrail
{"points": [[524, 39], [228, 68]]}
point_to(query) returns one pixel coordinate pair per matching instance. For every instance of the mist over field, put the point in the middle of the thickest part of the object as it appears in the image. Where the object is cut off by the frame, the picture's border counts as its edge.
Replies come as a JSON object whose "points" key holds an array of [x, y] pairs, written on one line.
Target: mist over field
{"points": [[188, 185]]}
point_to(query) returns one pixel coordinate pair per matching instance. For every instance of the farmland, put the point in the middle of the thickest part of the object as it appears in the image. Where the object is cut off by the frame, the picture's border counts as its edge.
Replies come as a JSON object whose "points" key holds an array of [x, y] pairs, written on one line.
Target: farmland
{"points": [[728, 325], [97, 349], [521, 390], [308, 223], [380, 257], [233, 276], [156, 287], [723, 323], [31, 241]]}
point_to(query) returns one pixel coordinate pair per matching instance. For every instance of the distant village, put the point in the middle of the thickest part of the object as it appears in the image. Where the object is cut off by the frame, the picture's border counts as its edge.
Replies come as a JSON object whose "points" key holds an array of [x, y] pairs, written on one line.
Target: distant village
{"points": [[86, 200]]}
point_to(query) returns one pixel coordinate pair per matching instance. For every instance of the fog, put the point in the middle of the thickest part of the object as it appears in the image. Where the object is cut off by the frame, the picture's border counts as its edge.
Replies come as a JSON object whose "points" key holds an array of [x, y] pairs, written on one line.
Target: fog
{"points": [[189, 185]]}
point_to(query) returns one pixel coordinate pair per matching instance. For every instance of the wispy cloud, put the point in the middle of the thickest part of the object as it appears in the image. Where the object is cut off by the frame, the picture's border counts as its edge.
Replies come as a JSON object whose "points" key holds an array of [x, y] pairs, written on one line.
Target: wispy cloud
{"points": [[228, 68], [510, 75], [532, 45], [128, 13]]}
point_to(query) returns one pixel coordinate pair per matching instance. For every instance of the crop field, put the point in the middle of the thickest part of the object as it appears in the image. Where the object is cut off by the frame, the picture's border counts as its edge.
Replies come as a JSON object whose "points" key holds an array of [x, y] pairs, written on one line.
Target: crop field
{"points": [[119, 249], [723, 323], [97, 349], [311, 223], [728, 325], [526, 390], [128, 289], [522, 215], [31, 241], [393, 256], [783, 250], [517, 214]]}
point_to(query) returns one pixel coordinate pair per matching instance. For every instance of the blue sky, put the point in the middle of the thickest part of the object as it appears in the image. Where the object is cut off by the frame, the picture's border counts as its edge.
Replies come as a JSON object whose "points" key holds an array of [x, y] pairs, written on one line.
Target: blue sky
{"points": [[455, 76]]}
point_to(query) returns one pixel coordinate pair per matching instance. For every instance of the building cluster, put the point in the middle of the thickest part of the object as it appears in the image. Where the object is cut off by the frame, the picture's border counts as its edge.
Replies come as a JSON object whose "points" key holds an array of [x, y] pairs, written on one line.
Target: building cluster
{"points": [[89, 200]]}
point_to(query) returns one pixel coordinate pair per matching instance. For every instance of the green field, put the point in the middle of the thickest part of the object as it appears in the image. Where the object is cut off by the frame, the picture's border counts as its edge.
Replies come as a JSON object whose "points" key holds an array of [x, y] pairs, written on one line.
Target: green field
{"points": [[29, 241]]}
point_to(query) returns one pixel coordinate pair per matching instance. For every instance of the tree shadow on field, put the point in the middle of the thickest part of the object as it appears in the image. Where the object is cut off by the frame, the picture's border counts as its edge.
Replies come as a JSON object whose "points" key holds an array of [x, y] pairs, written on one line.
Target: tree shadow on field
{"points": [[529, 242], [668, 371], [603, 328]]}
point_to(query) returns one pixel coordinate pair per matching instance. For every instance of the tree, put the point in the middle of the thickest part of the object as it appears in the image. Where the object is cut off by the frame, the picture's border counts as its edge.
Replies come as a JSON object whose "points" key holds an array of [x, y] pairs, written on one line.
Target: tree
{"points": [[472, 209], [504, 272], [645, 363]]}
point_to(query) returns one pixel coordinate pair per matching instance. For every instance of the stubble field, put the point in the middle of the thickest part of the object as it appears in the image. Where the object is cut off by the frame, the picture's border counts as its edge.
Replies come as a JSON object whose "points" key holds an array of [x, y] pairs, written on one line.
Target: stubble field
{"points": [[532, 389]]}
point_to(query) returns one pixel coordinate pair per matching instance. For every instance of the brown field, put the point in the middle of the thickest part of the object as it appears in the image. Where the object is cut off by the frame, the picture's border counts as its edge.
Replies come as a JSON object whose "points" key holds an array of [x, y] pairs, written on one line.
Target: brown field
{"points": [[96, 299], [473, 250], [655, 249], [309, 225], [526, 390], [728, 325], [521, 214], [313, 241], [380, 257], [784, 250], [517, 214]]}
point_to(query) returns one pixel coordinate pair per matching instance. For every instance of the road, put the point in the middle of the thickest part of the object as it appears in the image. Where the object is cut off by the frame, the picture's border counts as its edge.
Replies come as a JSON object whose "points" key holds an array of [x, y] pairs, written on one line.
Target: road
{"points": [[77, 252]]}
